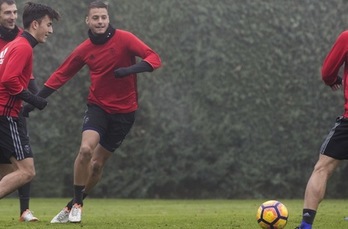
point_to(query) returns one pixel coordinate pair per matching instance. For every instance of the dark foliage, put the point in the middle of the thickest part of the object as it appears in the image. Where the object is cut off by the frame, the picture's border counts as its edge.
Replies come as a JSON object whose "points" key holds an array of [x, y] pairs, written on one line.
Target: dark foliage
{"points": [[238, 109]]}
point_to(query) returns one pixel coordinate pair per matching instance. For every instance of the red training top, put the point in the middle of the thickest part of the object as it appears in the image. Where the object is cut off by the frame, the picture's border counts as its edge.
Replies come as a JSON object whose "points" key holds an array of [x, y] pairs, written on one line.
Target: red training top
{"points": [[337, 56], [113, 95], [16, 64]]}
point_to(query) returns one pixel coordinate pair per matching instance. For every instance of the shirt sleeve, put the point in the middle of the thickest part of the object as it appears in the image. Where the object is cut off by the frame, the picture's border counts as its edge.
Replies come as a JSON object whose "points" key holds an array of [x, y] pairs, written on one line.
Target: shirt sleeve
{"points": [[335, 59], [67, 70], [140, 49]]}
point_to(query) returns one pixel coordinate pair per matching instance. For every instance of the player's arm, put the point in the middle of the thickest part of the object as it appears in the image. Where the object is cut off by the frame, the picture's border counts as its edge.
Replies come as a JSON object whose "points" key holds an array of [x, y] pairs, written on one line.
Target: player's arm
{"points": [[334, 60], [63, 74], [150, 59], [142, 66]]}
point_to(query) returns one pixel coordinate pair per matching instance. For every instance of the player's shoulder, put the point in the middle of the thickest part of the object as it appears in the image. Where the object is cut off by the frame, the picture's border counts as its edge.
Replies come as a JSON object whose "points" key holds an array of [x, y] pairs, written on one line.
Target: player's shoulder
{"points": [[121, 32], [344, 34]]}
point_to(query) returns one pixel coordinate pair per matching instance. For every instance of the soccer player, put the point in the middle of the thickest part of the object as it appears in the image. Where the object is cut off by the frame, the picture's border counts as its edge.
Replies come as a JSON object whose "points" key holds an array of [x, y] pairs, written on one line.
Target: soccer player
{"points": [[8, 32], [335, 147], [110, 55], [16, 63]]}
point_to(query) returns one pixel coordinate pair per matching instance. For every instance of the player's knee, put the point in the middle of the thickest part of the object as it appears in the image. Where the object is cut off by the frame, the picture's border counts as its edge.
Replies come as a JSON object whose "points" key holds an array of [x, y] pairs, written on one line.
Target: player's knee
{"points": [[32, 174], [323, 170], [85, 153], [29, 174]]}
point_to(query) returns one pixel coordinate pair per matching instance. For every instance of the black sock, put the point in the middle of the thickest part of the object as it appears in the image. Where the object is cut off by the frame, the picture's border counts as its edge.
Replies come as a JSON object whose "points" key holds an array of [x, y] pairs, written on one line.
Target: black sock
{"points": [[78, 194], [24, 196], [308, 215], [71, 202]]}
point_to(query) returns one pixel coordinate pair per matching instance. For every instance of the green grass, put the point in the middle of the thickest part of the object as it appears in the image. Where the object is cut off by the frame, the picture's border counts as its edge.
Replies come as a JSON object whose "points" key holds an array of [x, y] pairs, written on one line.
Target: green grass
{"points": [[167, 214]]}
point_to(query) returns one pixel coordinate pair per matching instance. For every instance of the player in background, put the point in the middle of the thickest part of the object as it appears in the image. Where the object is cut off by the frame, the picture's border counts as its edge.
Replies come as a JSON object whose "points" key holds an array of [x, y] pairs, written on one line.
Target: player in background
{"points": [[110, 55], [335, 147], [8, 32], [16, 63]]}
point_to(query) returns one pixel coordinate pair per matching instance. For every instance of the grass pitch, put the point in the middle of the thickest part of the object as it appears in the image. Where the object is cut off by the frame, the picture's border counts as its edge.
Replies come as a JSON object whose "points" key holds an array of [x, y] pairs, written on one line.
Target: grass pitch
{"points": [[167, 214]]}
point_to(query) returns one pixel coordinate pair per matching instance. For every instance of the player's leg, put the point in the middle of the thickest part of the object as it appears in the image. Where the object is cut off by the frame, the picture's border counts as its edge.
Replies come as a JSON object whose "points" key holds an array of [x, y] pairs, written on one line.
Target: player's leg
{"points": [[96, 165], [94, 119], [82, 165], [24, 197], [316, 187], [72, 211], [24, 173], [332, 151], [24, 191], [99, 158], [14, 145]]}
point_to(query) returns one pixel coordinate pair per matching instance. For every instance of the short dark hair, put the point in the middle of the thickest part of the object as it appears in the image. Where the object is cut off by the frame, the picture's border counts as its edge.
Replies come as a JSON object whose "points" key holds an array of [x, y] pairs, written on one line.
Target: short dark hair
{"points": [[97, 4], [36, 11], [9, 2]]}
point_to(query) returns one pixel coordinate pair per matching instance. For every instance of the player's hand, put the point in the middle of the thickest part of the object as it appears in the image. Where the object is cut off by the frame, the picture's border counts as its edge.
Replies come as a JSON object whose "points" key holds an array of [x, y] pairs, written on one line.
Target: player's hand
{"points": [[337, 84], [27, 108], [335, 87], [121, 72]]}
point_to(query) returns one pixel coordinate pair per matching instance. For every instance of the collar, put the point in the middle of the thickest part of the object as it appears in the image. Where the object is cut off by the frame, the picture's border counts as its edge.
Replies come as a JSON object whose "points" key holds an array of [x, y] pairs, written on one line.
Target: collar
{"points": [[101, 38], [8, 34], [32, 41]]}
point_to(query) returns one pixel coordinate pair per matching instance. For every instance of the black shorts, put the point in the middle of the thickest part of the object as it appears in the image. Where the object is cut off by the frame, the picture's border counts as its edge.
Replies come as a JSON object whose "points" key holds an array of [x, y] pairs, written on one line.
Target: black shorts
{"points": [[112, 128], [336, 142], [14, 140]]}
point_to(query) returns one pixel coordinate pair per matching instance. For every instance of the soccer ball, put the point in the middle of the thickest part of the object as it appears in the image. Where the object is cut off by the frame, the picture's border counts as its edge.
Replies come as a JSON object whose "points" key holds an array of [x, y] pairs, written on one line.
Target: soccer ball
{"points": [[272, 214]]}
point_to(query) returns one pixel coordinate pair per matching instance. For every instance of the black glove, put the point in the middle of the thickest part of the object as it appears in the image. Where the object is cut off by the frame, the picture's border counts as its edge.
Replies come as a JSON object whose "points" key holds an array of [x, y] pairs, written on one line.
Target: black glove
{"points": [[37, 101], [121, 72], [338, 81], [27, 108], [142, 66]]}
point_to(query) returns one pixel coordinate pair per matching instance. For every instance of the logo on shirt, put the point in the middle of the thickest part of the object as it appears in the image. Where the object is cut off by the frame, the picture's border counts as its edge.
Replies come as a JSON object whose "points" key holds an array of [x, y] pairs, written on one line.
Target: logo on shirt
{"points": [[2, 55]]}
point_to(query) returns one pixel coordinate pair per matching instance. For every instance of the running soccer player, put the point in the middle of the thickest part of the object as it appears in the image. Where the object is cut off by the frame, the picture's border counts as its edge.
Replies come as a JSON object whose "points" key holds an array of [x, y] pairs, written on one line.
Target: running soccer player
{"points": [[335, 147], [8, 32], [16, 65]]}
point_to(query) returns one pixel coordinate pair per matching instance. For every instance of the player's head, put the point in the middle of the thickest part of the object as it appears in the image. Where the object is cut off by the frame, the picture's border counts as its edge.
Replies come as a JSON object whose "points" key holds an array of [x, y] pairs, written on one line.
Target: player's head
{"points": [[8, 14], [37, 20], [97, 18]]}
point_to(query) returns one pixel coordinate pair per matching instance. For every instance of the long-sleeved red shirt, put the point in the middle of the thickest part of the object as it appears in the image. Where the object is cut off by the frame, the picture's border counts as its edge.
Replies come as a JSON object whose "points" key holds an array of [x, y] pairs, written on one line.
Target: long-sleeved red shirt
{"points": [[337, 56], [113, 95], [16, 64]]}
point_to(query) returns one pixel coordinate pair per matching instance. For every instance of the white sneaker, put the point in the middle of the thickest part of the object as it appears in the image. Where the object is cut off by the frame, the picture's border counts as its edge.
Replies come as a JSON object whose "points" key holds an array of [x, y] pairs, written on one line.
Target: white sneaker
{"points": [[62, 216], [28, 216], [75, 214]]}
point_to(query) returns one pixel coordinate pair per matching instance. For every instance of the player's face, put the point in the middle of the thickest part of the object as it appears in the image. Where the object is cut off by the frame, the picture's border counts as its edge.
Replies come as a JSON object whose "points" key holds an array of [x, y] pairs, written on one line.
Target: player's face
{"points": [[43, 29], [8, 15], [98, 20]]}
